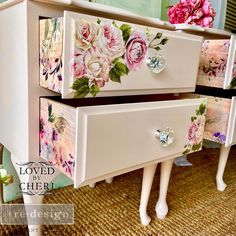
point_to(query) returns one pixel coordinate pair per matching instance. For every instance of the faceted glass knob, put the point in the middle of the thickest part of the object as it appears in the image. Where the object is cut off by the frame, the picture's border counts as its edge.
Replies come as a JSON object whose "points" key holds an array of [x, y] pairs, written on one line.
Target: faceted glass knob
{"points": [[156, 64], [166, 136]]}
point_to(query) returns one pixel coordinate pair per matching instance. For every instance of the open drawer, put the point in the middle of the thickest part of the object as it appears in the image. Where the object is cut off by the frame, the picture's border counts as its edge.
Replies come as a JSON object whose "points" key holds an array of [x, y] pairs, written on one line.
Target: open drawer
{"points": [[218, 63], [92, 143], [83, 55], [220, 124]]}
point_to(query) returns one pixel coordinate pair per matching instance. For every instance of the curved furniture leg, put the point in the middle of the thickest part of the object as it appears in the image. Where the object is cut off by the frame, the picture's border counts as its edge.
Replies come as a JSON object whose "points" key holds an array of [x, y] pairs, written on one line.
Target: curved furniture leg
{"points": [[109, 180], [34, 230], [161, 206], [148, 175], [224, 153]]}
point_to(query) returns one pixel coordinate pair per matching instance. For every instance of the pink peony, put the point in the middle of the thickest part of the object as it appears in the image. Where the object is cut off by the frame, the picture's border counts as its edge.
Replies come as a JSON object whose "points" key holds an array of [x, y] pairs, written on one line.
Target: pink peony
{"points": [[179, 13], [207, 9], [205, 22], [136, 50], [195, 12]]}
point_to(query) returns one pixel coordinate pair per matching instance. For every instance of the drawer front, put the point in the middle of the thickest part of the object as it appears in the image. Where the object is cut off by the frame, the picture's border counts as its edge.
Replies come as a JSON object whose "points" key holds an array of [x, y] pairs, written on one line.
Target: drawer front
{"points": [[218, 64], [115, 139], [101, 57], [91, 143]]}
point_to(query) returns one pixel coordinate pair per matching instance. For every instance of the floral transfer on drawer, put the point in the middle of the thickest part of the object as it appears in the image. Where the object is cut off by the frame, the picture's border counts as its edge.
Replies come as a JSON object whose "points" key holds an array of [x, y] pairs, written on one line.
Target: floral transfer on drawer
{"points": [[213, 63], [196, 130], [105, 51], [51, 38], [233, 81], [217, 117], [57, 135]]}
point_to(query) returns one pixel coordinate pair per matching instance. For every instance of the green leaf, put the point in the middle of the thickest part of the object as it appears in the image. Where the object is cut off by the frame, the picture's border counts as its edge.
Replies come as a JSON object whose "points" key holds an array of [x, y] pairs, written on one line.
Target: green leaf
{"points": [[233, 83], [99, 21], [121, 69], [158, 35], [201, 110], [80, 83], [193, 118], [164, 41], [114, 24], [81, 87], [114, 76], [196, 147], [46, 30], [51, 116], [115, 61], [126, 31], [157, 48], [82, 92], [94, 89], [186, 152]]}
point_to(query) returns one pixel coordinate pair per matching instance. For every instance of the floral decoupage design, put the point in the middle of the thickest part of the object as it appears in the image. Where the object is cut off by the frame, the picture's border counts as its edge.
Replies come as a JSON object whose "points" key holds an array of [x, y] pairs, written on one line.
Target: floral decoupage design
{"points": [[51, 38], [196, 130], [213, 63], [217, 117], [233, 81], [104, 52], [57, 135]]}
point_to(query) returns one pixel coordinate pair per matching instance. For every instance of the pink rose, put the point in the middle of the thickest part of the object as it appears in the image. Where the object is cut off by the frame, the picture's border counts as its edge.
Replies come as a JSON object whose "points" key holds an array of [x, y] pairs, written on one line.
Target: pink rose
{"points": [[97, 66], [85, 33], [196, 130], [192, 133], [136, 50], [78, 68], [111, 41], [179, 13]]}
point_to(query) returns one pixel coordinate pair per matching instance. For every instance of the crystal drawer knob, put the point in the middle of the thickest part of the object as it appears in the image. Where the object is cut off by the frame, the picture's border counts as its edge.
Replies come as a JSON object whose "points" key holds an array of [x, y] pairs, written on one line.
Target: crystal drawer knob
{"points": [[156, 64], [166, 136]]}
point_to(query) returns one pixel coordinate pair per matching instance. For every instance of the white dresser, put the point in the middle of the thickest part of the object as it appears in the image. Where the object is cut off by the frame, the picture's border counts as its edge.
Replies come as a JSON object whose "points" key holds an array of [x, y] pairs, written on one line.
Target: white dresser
{"points": [[96, 89]]}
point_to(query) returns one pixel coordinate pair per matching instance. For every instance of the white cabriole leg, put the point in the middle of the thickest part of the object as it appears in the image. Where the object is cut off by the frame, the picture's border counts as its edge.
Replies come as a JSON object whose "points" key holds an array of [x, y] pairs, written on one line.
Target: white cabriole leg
{"points": [[109, 180], [224, 153], [34, 230], [161, 206], [148, 175]]}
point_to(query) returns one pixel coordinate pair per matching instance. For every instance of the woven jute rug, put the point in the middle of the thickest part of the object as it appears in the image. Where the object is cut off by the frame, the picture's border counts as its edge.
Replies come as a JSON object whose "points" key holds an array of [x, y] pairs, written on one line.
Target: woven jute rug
{"points": [[196, 207]]}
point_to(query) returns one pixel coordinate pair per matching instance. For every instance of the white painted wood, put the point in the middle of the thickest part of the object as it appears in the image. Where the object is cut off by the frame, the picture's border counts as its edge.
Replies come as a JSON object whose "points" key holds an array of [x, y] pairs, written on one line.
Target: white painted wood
{"points": [[148, 175], [109, 180], [224, 153], [161, 206], [9, 3], [120, 138], [176, 77], [231, 130], [230, 63]]}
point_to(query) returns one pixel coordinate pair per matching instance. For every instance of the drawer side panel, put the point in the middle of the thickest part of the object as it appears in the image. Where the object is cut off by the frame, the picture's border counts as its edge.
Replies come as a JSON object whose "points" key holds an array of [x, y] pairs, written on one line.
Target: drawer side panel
{"points": [[213, 63], [57, 135], [51, 47]]}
